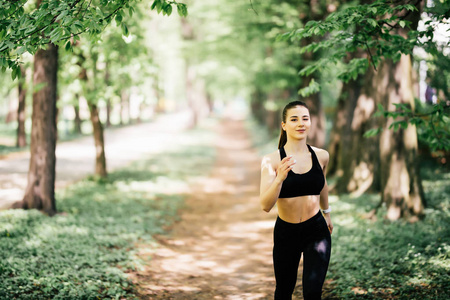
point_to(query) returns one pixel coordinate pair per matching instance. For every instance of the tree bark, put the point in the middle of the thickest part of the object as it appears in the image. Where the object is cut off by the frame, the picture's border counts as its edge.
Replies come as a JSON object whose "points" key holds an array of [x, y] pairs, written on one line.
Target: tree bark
{"points": [[100, 157], [342, 126], [77, 119], [108, 112], [401, 184], [317, 134], [40, 191], [21, 115], [358, 163], [190, 94], [124, 107], [400, 175], [108, 99]]}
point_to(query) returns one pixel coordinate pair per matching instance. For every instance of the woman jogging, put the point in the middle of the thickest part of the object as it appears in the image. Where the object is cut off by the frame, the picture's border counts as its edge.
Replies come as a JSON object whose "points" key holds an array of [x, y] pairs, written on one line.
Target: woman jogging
{"points": [[293, 178]]}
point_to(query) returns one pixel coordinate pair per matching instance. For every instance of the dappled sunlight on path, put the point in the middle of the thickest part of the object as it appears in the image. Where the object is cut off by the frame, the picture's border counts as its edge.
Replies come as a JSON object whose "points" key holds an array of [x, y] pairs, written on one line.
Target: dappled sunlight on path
{"points": [[76, 159], [222, 246]]}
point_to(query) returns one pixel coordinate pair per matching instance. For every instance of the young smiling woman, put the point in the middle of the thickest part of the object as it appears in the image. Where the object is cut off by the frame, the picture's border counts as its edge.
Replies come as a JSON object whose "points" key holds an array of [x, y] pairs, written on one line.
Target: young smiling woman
{"points": [[293, 177]]}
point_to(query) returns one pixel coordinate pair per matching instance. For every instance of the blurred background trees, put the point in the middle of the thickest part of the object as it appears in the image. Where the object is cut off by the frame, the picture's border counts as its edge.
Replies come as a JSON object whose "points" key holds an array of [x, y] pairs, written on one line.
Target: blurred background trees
{"points": [[363, 67]]}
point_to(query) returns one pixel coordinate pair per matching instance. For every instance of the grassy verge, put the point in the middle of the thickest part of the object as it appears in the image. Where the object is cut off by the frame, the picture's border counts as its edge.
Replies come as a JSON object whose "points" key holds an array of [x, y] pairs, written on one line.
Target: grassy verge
{"points": [[392, 260], [85, 251], [382, 259]]}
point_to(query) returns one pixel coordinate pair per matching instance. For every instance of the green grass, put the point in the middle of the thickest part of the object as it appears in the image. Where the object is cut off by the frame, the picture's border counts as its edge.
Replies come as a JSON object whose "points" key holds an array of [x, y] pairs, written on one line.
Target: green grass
{"points": [[86, 251], [392, 260]]}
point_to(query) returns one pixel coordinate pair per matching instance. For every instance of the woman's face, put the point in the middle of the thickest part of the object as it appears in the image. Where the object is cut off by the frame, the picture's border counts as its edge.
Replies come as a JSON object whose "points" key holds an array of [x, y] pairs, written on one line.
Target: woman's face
{"points": [[297, 123]]}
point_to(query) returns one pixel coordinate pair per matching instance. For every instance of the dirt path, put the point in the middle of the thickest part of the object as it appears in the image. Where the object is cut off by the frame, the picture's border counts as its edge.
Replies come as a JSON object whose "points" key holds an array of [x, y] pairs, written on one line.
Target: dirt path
{"points": [[222, 247]]}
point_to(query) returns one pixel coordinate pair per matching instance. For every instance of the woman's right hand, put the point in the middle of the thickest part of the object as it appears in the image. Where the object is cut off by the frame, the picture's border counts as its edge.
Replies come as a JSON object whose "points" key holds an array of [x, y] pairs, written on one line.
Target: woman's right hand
{"points": [[284, 167]]}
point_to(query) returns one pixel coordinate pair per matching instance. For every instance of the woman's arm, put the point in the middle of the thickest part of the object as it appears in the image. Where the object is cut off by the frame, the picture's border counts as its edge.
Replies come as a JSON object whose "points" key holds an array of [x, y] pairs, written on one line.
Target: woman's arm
{"points": [[324, 158], [272, 180]]}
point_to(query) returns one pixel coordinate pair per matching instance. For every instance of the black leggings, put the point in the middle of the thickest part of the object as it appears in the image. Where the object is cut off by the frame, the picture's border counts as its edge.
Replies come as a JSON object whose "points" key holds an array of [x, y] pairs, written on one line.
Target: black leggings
{"points": [[311, 237]]}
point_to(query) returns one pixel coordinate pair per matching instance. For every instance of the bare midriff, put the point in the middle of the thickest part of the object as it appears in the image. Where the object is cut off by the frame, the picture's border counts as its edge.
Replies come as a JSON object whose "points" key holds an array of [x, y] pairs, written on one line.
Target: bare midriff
{"points": [[298, 209]]}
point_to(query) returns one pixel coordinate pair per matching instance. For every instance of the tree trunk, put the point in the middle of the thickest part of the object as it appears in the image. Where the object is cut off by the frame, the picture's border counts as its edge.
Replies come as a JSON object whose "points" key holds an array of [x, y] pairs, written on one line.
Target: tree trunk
{"points": [[124, 107], [160, 104], [40, 191], [108, 112], [342, 125], [190, 94], [401, 184], [187, 32], [400, 175], [108, 99], [317, 134], [77, 119], [358, 164], [21, 116], [257, 107], [100, 158]]}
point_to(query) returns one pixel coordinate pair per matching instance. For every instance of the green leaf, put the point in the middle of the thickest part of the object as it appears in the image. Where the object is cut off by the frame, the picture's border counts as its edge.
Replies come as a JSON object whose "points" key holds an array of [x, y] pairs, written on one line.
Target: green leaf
{"points": [[159, 6], [21, 50], [372, 22], [68, 46], [402, 24], [372, 132], [182, 10], [131, 11], [168, 9], [410, 7], [154, 4], [15, 73], [317, 31], [62, 15], [119, 18], [125, 31], [312, 88]]}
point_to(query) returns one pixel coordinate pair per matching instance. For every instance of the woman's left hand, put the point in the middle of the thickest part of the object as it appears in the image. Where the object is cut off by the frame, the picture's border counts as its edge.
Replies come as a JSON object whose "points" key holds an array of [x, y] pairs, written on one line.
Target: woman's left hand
{"points": [[328, 220]]}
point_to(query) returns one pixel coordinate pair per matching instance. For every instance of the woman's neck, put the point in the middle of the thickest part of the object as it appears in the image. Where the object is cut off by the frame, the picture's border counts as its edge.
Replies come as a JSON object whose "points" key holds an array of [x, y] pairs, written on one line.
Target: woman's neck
{"points": [[296, 147]]}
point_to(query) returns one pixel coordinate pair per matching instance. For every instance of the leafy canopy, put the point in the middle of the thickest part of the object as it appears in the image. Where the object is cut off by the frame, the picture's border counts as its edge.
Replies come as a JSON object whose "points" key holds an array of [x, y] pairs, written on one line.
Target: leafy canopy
{"points": [[380, 29], [26, 27]]}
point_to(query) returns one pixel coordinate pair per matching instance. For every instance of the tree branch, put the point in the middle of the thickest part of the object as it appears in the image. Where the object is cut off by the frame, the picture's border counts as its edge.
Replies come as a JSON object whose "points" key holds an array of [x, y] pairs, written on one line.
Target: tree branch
{"points": [[251, 4], [44, 27], [370, 55]]}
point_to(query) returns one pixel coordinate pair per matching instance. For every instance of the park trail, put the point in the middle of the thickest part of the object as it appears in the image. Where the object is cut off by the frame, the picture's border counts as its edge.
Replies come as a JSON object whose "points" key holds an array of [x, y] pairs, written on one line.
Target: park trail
{"points": [[221, 248]]}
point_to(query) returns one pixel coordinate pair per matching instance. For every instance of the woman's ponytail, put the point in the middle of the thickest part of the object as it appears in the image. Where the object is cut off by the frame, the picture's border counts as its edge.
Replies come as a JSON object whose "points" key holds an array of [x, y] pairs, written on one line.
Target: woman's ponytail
{"points": [[283, 139]]}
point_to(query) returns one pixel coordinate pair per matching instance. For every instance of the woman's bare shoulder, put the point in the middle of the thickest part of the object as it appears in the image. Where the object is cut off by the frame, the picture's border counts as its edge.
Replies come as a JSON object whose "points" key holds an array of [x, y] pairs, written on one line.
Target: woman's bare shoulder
{"points": [[322, 155], [272, 158]]}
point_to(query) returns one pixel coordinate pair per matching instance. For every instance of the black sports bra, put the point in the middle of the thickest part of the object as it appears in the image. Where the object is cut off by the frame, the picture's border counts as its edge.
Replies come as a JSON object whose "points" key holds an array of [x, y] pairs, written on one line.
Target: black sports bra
{"points": [[309, 183]]}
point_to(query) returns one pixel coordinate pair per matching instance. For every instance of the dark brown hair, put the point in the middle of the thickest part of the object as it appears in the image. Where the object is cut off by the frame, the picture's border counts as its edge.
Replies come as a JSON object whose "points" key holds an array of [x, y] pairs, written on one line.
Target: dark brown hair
{"points": [[283, 136]]}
